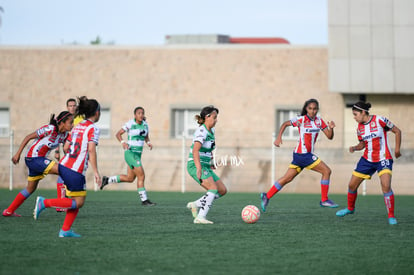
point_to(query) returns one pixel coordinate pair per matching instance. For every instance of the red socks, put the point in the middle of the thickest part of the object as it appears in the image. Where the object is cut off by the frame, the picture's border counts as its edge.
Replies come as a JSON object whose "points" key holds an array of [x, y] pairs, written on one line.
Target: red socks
{"points": [[352, 196], [70, 218], [324, 190], [273, 190], [18, 200], [59, 203], [61, 190], [389, 203]]}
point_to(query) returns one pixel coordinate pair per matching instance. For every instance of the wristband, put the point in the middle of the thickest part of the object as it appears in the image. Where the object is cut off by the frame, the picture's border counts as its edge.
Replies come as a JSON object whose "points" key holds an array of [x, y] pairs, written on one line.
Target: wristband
{"points": [[123, 141]]}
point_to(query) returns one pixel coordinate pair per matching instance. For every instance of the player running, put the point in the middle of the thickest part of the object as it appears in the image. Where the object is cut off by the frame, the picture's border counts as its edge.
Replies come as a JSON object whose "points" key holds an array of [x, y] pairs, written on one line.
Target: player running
{"points": [[372, 135], [80, 149], [200, 163], [309, 125], [46, 138], [60, 185], [138, 135]]}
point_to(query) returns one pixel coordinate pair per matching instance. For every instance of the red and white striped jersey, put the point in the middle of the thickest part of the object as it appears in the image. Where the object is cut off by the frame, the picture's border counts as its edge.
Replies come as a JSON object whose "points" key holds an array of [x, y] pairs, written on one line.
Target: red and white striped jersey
{"points": [[308, 132], [77, 156], [374, 135], [48, 138]]}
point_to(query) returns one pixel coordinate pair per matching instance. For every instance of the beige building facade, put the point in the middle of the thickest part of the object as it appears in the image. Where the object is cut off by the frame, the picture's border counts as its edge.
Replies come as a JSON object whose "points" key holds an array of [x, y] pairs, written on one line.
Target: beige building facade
{"points": [[255, 87]]}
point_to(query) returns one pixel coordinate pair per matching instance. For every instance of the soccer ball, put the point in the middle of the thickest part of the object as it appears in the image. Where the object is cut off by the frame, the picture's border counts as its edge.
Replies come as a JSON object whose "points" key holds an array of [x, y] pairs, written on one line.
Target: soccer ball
{"points": [[250, 214]]}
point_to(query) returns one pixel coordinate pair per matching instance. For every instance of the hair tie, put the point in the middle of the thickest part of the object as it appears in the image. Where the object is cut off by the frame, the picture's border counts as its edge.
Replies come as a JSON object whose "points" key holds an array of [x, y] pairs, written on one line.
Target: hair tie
{"points": [[359, 108], [63, 117]]}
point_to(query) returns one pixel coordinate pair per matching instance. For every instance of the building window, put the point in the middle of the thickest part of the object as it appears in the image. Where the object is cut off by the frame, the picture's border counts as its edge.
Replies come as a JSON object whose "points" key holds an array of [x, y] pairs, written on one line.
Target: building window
{"points": [[282, 115], [4, 121], [104, 123], [183, 121]]}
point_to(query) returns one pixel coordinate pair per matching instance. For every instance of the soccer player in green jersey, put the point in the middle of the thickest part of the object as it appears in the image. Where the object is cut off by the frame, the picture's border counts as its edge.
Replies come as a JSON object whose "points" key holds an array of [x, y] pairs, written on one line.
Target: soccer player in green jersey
{"points": [[138, 134], [199, 165]]}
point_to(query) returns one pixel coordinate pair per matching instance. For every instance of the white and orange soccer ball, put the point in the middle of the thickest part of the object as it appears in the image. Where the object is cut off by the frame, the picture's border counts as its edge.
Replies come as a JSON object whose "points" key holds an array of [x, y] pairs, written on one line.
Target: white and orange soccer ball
{"points": [[250, 214]]}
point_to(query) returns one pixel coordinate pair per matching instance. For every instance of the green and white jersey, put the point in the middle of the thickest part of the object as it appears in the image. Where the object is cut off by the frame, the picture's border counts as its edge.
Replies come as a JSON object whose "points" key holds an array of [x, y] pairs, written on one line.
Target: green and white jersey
{"points": [[136, 135], [208, 143]]}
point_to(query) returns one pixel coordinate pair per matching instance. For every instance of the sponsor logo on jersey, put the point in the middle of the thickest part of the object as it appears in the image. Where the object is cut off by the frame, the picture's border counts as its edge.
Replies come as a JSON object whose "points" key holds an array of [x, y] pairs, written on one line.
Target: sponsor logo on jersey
{"points": [[373, 126], [312, 130], [371, 136]]}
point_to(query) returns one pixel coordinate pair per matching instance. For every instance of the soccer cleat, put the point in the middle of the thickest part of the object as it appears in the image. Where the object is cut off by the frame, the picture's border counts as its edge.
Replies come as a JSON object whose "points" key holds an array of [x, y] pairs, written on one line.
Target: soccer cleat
{"points": [[328, 203], [7, 213], [264, 201], [68, 234], [202, 221], [344, 212], [392, 221], [39, 207], [148, 203], [105, 181], [193, 208]]}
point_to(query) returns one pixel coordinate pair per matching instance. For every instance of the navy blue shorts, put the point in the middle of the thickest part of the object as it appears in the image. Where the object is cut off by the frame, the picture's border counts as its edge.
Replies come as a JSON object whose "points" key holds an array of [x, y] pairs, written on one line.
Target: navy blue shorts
{"points": [[39, 167], [301, 161], [75, 182], [365, 169]]}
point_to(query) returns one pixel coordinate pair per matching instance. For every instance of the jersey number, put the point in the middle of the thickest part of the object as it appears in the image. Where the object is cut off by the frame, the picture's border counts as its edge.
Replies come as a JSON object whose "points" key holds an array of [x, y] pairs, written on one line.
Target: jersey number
{"points": [[74, 150]]}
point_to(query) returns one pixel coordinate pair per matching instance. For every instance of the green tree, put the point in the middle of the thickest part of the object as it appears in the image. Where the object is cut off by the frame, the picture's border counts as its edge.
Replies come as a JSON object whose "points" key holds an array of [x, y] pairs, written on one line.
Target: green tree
{"points": [[97, 41]]}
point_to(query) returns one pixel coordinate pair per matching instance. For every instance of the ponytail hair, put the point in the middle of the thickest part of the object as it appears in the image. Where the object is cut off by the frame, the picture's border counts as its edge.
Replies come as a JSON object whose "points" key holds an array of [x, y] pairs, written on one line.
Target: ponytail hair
{"points": [[312, 100], [87, 107], [361, 106], [205, 112], [61, 118]]}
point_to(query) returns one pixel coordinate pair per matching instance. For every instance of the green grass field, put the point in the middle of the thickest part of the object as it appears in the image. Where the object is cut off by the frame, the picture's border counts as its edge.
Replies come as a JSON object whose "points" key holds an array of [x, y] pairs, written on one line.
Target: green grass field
{"points": [[294, 236]]}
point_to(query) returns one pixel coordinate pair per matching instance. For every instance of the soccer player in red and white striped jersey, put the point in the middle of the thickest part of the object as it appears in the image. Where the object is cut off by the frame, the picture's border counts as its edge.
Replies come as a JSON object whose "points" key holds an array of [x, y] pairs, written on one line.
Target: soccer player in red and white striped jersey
{"points": [[46, 139], [372, 135], [80, 149], [309, 125], [71, 106]]}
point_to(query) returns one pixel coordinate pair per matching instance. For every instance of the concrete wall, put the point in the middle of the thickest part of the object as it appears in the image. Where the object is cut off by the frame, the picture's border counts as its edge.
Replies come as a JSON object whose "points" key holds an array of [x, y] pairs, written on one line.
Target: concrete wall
{"points": [[247, 83], [371, 46]]}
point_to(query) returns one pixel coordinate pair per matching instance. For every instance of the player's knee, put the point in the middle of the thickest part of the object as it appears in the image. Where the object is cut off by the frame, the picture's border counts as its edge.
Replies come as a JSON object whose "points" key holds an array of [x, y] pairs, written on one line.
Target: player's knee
{"points": [[222, 191], [327, 172], [31, 187], [80, 203]]}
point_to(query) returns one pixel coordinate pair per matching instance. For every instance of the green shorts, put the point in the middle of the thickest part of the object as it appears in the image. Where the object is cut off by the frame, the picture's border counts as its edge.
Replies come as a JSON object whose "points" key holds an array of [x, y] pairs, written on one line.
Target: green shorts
{"points": [[132, 159], [206, 172]]}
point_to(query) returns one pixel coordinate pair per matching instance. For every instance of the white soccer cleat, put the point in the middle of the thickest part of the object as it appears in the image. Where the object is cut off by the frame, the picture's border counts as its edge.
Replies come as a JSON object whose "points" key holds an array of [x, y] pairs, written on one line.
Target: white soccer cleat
{"points": [[202, 221], [193, 208]]}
